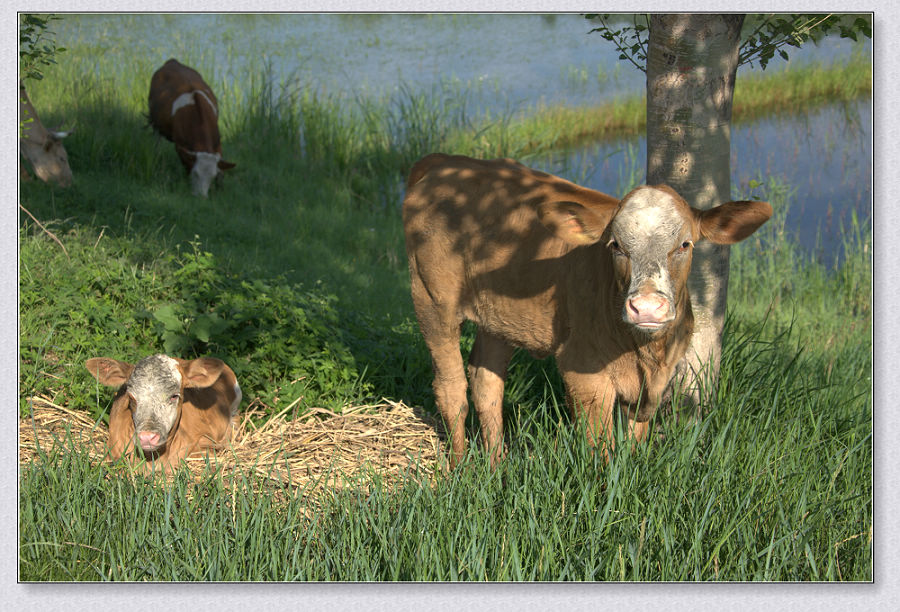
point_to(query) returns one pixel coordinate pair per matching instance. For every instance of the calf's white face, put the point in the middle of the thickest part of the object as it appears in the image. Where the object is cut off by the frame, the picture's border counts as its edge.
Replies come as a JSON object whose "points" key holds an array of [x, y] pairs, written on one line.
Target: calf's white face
{"points": [[651, 241], [155, 387]]}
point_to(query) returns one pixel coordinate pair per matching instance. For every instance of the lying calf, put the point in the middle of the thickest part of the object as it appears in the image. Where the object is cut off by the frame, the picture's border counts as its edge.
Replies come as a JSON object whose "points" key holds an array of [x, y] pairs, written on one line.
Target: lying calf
{"points": [[169, 408]]}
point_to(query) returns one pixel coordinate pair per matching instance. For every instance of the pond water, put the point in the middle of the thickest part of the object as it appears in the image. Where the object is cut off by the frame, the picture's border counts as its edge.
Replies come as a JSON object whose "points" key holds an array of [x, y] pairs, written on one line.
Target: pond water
{"points": [[505, 63], [824, 157]]}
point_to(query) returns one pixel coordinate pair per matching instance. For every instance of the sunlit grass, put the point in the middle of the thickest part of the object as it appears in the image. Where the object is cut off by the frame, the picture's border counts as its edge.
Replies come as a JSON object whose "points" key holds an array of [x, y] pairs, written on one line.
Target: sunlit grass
{"points": [[295, 271], [757, 93]]}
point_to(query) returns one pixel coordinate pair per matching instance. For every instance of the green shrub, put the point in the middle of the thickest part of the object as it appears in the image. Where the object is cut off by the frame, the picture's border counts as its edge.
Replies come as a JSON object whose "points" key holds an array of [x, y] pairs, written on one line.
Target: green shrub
{"points": [[285, 343]]}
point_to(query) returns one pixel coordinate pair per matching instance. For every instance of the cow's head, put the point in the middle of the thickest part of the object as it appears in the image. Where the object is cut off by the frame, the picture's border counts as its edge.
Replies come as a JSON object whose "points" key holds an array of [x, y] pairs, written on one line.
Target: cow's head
{"points": [[650, 235], [154, 388], [42, 148], [204, 168], [47, 155]]}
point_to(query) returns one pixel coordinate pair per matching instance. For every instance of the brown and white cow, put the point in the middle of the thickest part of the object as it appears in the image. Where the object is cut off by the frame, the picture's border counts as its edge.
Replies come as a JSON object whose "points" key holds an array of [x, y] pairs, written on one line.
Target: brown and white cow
{"points": [[42, 148], [185, 111], [168, 408], [540, 263]]}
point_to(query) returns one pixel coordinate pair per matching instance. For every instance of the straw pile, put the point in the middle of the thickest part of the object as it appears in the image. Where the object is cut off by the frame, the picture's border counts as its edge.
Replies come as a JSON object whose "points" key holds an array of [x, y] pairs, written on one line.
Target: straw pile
{"points": [[317, 448]]}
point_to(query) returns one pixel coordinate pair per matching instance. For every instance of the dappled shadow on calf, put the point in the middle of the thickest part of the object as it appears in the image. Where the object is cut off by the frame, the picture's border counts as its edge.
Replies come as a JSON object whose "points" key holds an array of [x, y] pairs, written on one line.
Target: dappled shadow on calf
{"points": [[542, 264]]}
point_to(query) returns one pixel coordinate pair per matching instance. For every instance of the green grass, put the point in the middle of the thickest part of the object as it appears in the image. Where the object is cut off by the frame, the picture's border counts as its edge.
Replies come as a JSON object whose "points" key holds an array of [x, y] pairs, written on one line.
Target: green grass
{"points": [[774, 484], [294, 273], [757, 93]]}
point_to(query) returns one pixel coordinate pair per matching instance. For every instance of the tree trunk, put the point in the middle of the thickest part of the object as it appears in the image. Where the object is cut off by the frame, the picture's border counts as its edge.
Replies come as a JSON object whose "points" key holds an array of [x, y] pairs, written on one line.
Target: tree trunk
{"points": [[691, 66]]}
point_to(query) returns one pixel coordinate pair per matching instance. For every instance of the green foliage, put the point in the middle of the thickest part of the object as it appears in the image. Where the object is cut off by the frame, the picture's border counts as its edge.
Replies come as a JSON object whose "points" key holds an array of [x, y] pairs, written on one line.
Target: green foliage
{"points": [[774, 32], [274, 334], [286, 344], [37, 45], [770, 34]]}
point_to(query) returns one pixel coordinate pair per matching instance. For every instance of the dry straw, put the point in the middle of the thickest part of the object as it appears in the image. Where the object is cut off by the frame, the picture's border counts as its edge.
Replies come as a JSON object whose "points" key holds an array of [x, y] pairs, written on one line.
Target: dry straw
{"points": [[316, 450]]}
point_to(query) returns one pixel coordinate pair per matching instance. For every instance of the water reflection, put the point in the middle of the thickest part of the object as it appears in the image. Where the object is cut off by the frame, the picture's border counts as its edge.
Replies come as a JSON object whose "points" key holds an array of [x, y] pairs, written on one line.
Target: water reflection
{"points": [[824, 156]]}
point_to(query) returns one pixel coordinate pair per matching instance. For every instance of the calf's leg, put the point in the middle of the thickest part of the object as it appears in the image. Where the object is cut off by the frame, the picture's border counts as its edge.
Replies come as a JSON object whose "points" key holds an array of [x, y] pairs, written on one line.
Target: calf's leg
{"points": [[638, 430], [591, 398], [487, 375], [440, 325], [450, 392]]}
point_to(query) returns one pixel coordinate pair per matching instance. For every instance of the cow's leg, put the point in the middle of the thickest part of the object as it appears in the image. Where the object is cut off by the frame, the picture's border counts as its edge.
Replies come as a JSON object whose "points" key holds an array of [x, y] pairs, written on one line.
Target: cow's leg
{"points": [[487, 374], [440, 325], [450, 392], [638, 429], [639, 416], [591, 399]]}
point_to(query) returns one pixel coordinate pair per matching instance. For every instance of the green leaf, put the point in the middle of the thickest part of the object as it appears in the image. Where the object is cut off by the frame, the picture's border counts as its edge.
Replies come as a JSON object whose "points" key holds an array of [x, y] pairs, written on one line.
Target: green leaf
{"points": [[170, 320]]}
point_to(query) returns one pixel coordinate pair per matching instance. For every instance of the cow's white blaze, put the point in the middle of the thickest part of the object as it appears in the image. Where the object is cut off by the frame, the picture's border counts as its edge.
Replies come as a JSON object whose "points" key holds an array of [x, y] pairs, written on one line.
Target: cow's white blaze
{"points": [[206, 167]]}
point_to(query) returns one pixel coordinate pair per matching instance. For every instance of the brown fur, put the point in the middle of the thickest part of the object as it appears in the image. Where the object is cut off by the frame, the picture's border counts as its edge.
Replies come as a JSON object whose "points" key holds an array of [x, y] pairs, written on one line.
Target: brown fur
{"points": [[204, 419], [523, 254], [194, 127]]}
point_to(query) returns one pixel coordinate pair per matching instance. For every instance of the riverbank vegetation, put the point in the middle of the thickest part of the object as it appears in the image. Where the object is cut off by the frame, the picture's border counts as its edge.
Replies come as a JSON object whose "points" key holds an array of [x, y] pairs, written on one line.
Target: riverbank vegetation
{"points": [[757, 93], [294, 272]]}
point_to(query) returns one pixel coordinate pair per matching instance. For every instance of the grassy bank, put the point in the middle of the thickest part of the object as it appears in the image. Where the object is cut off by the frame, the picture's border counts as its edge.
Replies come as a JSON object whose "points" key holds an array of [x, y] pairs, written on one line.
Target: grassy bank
{"points": [[757, 94], [294, 273]]}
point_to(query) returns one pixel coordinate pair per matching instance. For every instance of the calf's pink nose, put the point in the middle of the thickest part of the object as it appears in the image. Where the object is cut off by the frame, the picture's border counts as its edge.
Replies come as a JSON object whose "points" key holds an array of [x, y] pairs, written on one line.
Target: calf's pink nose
{"points": [[148, 439], [650, 308]]}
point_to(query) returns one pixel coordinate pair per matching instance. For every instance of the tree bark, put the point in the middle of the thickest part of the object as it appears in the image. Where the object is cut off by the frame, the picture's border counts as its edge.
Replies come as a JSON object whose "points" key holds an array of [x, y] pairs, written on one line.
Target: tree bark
{"points": [[691, 65]]}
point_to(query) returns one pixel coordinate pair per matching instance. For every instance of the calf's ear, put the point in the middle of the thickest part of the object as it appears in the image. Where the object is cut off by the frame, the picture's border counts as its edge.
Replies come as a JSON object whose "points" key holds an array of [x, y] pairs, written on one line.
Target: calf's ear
{"points": [[225, 165], [111, 372], [202, 372], [575, 223], [733, 221]]}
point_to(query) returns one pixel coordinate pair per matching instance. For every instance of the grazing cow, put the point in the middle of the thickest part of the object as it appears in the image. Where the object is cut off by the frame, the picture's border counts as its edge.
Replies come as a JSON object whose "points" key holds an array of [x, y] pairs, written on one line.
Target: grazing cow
{"points": [[184, 109], [170, 408], [540, 263], [42, 148]]}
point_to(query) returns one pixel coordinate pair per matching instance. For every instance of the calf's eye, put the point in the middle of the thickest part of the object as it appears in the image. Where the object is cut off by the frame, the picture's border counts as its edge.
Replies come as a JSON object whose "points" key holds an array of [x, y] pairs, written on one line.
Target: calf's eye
{"points": [[174, 398], [615, 248], [686, 245]]}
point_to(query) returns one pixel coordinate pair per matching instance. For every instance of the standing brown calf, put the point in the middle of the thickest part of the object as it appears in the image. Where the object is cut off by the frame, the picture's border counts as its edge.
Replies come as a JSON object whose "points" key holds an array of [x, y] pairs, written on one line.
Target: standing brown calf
{"points": [[184, 110], [169, 408], [540, 263]]}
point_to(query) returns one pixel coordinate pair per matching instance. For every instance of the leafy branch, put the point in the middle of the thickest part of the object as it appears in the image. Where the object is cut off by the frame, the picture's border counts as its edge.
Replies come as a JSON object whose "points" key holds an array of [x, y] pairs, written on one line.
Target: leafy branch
{"points": [[630, 41], [37, 45], [774, 32], [771, 34]]}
